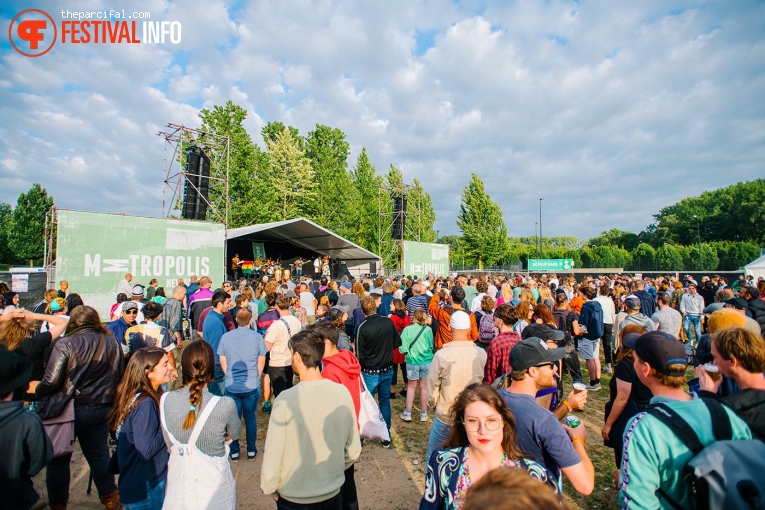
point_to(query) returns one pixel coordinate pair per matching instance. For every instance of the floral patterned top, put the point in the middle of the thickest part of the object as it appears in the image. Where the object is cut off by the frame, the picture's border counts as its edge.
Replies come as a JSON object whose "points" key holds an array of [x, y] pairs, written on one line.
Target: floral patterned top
{"points": [[448, 478]]}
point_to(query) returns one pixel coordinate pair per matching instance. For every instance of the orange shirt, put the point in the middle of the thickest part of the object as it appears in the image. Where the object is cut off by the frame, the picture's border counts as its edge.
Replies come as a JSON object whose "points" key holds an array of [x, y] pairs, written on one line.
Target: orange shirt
{"points": [[443, 315]]}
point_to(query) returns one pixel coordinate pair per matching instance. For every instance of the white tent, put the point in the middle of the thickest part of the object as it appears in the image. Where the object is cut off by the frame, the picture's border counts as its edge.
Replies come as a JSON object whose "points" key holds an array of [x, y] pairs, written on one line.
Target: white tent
{"points": [[756, 268]]}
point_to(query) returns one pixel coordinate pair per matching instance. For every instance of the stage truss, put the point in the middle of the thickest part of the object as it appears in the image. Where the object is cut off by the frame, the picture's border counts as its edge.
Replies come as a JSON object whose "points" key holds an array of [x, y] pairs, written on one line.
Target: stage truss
{"points": [[217, 148], [387, 217]]}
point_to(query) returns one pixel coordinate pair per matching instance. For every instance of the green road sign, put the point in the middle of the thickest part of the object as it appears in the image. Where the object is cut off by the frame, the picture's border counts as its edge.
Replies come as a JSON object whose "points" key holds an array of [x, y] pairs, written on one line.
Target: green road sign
{"points": [[550, 264]]}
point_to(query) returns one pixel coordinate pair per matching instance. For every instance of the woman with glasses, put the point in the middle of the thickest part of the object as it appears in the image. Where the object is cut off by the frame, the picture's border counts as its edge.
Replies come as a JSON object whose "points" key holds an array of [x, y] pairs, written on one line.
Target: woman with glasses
{"points": [[483, 439]]}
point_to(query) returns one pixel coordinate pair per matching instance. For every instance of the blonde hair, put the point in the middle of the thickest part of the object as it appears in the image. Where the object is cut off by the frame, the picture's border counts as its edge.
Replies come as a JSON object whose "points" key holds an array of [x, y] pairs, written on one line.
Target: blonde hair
{"points": [[420, 317]]}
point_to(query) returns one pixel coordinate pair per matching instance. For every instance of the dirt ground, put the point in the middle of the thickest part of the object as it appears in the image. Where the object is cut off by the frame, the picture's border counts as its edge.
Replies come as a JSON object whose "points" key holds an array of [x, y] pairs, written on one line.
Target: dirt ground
{"points": [[382, 481]]}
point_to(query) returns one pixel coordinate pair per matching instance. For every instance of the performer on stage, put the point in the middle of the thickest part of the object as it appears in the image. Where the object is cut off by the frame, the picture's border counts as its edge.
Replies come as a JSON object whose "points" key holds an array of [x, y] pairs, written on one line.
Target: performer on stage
{"points": [[236, 265], [298, 264]]}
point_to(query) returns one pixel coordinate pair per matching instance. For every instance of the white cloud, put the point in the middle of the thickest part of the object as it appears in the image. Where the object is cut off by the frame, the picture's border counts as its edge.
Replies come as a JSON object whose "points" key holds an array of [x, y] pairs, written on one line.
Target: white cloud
{"points": [[608, 111]]}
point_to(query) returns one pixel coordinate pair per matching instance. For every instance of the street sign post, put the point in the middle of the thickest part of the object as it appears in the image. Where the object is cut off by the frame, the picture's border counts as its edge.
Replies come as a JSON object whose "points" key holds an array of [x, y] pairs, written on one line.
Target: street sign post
{"points": [[550, 265]]}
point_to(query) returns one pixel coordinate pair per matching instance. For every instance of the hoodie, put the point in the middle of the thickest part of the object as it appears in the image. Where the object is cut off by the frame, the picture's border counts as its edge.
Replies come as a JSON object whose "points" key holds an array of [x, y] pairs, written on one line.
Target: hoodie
{"points": [[344, 368], [25, 450]]}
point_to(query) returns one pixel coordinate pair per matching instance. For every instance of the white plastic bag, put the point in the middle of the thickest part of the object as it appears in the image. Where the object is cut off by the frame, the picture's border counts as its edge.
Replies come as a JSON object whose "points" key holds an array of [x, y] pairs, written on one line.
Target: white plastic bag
{"points": [[371, 422]]}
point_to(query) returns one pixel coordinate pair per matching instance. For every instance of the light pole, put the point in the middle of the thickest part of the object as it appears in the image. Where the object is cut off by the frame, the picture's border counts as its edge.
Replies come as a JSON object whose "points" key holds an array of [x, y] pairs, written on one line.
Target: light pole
{"points": [[536, 235], [698, 234], [540, 228]]}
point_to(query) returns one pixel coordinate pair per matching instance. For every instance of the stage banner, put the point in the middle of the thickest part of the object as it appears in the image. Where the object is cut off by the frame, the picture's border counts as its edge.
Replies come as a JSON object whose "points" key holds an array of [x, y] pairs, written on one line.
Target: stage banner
{"points": [[258, 251], [94, 251], [419, 259]]}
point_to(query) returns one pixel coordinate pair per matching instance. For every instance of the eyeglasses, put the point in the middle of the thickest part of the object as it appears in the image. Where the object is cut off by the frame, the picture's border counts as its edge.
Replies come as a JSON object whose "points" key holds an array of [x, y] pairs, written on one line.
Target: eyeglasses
{"points": [[491, 424]]}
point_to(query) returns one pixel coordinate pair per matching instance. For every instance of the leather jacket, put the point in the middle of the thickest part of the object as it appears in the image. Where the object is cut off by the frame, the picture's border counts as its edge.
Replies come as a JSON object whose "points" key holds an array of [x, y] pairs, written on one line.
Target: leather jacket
{"points": [[69, 361]]}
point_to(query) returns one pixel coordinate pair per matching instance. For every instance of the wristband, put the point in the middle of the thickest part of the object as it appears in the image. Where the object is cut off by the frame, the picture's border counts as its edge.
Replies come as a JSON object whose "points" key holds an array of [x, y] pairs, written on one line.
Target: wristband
{"points": [[565, 403], [578, 439]]}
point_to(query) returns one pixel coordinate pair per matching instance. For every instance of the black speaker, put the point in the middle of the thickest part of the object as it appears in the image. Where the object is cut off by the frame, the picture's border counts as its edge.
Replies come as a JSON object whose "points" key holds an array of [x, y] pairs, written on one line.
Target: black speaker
{"points": [[399, 216], [197, 186]]}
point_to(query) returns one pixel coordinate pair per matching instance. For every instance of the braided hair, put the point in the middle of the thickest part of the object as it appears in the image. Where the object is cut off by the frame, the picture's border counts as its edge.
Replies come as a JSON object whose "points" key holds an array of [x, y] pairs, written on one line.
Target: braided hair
{"points": [[198, 367]]}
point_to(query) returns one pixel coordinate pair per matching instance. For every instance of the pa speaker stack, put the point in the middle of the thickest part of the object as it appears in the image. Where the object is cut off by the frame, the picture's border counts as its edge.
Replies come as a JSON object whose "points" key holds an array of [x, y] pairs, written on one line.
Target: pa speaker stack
{"points": [[197, 187]]}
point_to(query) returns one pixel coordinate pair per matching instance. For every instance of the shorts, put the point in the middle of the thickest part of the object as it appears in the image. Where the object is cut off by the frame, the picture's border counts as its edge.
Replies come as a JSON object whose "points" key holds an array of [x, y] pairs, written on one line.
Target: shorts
{"points": [[265, 366], [414, 372], [589, 349]]}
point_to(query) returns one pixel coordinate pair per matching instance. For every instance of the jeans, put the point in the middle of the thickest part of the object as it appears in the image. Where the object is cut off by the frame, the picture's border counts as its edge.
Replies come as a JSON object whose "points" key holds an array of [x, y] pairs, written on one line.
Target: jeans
{"points": [[246, 404], [696, 321], [608, 348], [155, 497], [380, 383], [92, 432], [439, 432], [333, 503], [218, 386]]}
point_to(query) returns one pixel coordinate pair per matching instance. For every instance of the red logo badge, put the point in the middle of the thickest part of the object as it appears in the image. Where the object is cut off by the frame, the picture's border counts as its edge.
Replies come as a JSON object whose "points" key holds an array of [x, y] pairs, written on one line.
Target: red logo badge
{"points": [[32, 32]]}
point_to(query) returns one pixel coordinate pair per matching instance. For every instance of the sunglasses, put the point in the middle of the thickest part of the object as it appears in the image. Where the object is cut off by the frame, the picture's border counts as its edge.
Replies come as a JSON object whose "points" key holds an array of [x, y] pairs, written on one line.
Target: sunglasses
{"points": [[132, 312], [551, 365]]}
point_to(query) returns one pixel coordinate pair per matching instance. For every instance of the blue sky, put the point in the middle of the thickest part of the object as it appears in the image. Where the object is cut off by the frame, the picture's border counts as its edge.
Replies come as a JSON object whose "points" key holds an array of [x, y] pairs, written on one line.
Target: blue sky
{"points": [[607, 110]]}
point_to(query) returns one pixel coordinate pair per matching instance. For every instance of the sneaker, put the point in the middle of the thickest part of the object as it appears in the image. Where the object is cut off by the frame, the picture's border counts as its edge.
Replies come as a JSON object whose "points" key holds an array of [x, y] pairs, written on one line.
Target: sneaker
{"points": [[406, 416], [608, 370], [267, 407], [386, 444], [423, 416], [233, 456], [251, 455], [592, 387]]}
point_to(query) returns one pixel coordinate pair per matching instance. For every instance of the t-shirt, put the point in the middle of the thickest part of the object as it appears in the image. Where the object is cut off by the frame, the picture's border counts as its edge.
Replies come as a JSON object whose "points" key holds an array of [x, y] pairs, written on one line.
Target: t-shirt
{"points": [[415, 302], [352, 301], [306, 301], [241, 348], [625, 371], [148, 335], [669, 320], [279, 334], [540, 434]]}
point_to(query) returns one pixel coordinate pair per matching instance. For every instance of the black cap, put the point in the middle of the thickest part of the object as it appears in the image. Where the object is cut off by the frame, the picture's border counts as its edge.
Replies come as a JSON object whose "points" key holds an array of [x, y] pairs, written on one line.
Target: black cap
{"points": [[630, 339], [661, 350], [737, 303], [15, 371], [543, 331], [533, 351]]}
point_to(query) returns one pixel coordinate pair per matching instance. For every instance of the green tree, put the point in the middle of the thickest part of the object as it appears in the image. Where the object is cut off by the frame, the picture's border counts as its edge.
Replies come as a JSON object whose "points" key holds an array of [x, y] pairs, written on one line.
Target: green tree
{"points": [[328, 151], [643, 257], [733, 255], [27, 236], [293, 179], [421, 216], [272, 130], [483, 226], [244, 159], [669, 258], [709, 260], [616, 237], [365, 215], [6, 224], [456, 250]]}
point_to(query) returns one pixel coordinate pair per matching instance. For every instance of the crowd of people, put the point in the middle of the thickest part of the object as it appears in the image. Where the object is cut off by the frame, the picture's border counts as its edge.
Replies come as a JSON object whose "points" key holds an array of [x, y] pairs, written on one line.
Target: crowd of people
{"points": [[161, 390]]}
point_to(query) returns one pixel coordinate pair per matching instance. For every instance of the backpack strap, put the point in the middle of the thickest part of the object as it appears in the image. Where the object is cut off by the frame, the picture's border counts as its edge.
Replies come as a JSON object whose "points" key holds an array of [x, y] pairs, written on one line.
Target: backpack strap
{"points": [[721, 427], [677, 425], [286, 325], [199, 425]]}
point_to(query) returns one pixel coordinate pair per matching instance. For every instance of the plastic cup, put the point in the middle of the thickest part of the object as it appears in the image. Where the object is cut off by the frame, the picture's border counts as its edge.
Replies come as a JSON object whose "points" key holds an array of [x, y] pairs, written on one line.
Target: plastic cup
{"points": [[713, 371], [580, 387]]}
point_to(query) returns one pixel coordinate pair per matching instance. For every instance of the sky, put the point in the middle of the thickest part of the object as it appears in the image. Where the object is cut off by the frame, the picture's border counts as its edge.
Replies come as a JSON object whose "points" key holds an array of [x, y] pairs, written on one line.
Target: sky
{"points": [[608, 111]]}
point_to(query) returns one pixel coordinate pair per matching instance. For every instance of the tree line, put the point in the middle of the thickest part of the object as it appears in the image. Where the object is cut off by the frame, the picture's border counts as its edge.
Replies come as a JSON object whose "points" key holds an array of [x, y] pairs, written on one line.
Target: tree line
{"points": [[720, 230]]}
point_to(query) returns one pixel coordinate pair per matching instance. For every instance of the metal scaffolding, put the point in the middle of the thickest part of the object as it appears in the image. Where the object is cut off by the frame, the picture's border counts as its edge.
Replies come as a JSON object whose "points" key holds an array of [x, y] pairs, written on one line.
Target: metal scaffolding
{"points": [[387, 218]]}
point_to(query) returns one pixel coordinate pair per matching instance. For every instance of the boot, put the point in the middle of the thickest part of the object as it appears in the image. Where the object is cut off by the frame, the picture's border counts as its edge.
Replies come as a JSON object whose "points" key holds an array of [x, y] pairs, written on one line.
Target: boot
{"points": [[112, 501]]}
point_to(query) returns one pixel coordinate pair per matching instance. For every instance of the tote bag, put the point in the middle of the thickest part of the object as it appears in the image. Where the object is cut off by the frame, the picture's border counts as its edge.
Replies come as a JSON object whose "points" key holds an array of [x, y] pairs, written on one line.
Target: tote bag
{"points": [[371, 422]]}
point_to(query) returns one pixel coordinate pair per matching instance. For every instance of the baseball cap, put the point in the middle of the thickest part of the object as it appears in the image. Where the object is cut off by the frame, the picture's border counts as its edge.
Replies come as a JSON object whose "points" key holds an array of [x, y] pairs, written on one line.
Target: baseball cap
{"points": [[737, 303], [661, 351], [632, 303], [346, 285], [129, 305], [137, 291], [629, 340], [459, 320], [336, 312], [291, 293], [725, 318], [543, 331], [533, 351]]}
